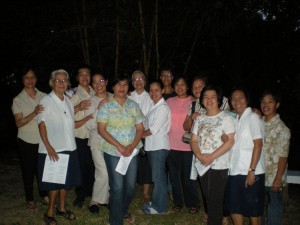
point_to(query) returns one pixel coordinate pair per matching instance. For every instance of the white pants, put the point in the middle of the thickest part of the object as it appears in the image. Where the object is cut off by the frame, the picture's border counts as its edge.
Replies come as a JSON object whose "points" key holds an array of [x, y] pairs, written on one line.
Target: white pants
{"points": [[101, 186]]}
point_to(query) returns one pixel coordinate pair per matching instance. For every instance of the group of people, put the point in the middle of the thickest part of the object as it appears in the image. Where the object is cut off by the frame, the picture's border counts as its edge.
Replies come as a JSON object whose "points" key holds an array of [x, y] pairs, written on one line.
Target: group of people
{"points": [[114, 140]]}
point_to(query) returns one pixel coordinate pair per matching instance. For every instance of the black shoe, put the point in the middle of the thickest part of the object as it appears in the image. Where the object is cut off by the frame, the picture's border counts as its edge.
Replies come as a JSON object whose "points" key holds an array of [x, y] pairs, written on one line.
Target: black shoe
{"points": [[94, 209], [78, 203]]}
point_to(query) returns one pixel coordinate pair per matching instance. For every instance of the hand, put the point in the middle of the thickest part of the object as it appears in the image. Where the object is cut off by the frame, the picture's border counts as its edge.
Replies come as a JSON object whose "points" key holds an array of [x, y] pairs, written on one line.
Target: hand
{"points": [[53, 155], [128, 150], [85, 104], [195, 115], [206, 159], [250, 179], [277, 185], [38, 109]]}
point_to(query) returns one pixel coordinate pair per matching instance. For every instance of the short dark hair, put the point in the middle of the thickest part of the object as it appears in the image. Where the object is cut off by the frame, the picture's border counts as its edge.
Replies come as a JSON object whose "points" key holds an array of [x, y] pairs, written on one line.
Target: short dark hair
{"points": [[100, 73], [244, 90], [275, 95], [83, 66], [218, 90], [158, 82], [166, 68], [199, 77], [118, 79]]}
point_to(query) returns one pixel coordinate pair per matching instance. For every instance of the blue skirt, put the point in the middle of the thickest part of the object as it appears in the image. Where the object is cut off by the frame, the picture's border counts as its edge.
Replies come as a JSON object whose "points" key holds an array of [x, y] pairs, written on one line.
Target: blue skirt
{"points": [[248, 201], [73, 177]]}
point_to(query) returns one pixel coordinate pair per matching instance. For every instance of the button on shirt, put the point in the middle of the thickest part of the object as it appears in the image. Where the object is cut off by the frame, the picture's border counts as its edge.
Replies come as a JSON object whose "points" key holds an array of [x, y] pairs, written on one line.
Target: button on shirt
{"points": [[248, 127], [158, 121], [59, 120]]}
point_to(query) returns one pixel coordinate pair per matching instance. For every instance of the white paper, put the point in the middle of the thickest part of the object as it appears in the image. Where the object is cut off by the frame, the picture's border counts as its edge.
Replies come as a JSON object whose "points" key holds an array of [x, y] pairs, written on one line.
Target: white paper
{"points": [[201, 168], [56, 171], [124, 162]]}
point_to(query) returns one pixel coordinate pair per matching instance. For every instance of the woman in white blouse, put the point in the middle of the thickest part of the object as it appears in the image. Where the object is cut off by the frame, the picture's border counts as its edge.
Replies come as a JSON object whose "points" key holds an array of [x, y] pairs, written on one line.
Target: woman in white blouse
{"points": [[157, 126]]}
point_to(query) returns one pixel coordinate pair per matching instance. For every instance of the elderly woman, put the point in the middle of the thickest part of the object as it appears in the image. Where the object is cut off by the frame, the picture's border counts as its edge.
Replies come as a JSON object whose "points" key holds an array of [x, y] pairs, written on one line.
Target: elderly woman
{"points": [[100, 189], [120, 123], [57, 131], [210, 151], [25, 108], [247, 168]]}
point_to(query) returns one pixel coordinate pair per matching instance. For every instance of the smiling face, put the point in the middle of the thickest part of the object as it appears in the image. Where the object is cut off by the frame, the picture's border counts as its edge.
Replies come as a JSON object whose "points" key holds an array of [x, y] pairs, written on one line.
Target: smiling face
{"points": [[181, 88], [210, 100], [197, 87], [166, 77], [121, 89], [60, 83], [269, 106], [239, 101], [84, 77], [29, 79], [99, 84], [155, 92], [138, 81]]}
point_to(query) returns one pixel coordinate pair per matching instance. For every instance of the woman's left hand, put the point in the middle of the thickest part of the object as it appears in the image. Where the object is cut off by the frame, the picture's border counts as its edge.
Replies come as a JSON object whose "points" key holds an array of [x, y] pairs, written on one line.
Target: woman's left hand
{"points": [[250, 179], [128, 150], [206, 159]]}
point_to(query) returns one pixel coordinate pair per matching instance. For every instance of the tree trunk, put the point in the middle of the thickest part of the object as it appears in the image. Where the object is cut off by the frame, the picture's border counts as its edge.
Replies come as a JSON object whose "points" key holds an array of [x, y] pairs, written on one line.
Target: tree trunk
{"points": [[85, 34], [156, 39], [143, 34], [117, 41]]}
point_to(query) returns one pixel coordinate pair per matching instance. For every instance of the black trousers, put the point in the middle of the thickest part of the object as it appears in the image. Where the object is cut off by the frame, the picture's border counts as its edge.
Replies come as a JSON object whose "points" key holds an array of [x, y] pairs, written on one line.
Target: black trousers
{"points": [[28, 155], [87, 169]]}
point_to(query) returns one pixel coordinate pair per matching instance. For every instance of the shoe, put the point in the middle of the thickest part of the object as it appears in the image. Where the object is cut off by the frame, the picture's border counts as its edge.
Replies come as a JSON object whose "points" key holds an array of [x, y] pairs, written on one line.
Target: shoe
{"points": [[67, 214], [152, 211], [194, 210], [31, 206], [147, 205], [78, 203], [94, 209], [129, 218], [176, 209], [49, 220]]}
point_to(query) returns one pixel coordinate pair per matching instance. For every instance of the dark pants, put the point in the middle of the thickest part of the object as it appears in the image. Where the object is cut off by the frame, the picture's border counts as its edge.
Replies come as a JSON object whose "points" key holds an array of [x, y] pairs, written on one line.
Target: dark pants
{"points": [[28, 155], [184, 190], [213, 184], [87, 169]]}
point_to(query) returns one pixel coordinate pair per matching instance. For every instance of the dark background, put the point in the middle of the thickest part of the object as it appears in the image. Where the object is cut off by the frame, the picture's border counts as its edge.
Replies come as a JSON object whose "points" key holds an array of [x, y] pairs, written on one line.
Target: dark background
{"points": [[254, 43]]}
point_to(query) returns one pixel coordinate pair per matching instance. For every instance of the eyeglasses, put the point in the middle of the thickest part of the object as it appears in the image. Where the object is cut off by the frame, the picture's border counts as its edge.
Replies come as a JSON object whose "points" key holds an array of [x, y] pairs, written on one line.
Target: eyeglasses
{"points": [[166, 75], [138, 79], [99, 82], [60, 81]]}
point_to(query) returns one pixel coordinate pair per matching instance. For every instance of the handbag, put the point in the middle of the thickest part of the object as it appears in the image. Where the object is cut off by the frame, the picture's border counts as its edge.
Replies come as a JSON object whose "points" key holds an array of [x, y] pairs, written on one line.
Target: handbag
{"points": [[186, 137]]}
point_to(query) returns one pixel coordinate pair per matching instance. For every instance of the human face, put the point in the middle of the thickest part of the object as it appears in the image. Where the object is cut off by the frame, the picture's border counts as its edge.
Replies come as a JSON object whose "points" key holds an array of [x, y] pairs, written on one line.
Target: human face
{"points": [[99, 83], [138, 82], [239, 101], [84, 77], [166, 77], [60, 83], [210, 100], [29, 79], [120, 89], [269, 106], [181, 88], [197, 87], [155, 92]]}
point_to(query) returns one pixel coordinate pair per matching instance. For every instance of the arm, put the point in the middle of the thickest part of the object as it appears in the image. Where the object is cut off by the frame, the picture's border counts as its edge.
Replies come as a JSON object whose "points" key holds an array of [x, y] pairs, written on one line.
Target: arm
{"points": [[138, 135], [81, 122], [277, 183], [225, 147], [147, 133], [258, 143], [83, 105], [188, 122], [44, 136], [20, 121]]}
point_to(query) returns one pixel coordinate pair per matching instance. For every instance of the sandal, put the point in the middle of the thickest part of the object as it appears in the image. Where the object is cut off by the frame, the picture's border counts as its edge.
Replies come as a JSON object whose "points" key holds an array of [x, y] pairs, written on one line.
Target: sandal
{"points": [[176, 209], [204, 218], [31, 206], [49, 220], [194, 210], [129, 218], [67, 214]]}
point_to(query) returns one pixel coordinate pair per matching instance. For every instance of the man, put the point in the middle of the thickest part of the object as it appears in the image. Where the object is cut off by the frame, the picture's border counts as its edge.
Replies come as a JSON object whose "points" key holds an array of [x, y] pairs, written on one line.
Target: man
{"points": [[83, 93]]}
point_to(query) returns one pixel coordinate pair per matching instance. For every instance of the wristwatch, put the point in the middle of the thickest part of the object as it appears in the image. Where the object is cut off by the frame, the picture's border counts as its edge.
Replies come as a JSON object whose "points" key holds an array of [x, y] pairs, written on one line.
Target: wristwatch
{"points": [[250, 170]]}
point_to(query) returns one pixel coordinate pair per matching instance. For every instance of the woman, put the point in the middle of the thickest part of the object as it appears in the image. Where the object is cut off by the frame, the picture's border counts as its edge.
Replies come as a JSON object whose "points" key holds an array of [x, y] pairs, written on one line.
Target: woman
{"points": [[210, 151], [247, 170], [157, 126], [100, 189], [57, 131], [25, 108], [120, 123], [276, 147], [179, 160]]}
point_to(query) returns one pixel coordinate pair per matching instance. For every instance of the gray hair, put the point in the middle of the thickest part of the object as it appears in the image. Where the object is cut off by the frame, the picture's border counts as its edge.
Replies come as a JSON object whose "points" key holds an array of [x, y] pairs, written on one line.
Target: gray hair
{"points": [[138, 71], [53, 74]]}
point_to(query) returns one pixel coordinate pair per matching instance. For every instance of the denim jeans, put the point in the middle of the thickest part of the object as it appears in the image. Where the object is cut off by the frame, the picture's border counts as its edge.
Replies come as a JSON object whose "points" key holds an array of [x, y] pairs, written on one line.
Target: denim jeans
{"points": [[274, 207], [184, 190], [122, 188], [157, 161]]}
